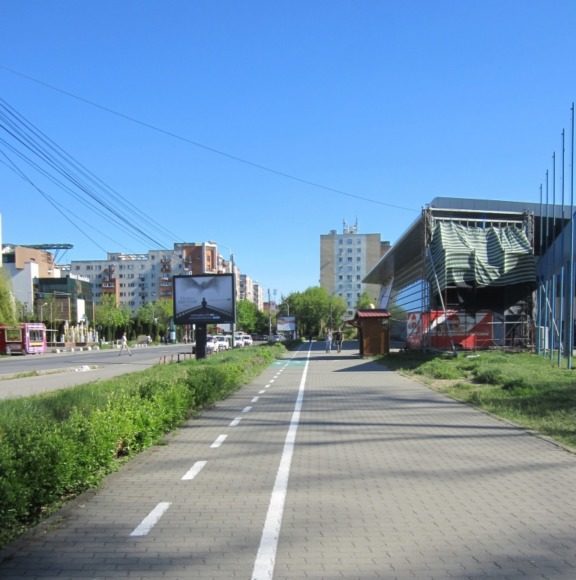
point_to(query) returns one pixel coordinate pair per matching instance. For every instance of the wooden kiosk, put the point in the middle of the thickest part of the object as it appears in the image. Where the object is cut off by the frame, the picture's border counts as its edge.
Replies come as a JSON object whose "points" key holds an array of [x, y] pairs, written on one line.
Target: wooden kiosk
{"points": [[373, 331]]}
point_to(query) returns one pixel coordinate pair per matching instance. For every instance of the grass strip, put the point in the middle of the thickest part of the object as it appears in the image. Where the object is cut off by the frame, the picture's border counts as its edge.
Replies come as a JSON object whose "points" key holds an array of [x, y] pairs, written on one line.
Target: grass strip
{"points": [[524, 388]]}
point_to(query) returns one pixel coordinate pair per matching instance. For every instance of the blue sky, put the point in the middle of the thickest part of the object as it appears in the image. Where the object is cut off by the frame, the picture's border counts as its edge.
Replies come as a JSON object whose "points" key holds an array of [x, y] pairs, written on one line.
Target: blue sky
{"points": [[230, 111]]}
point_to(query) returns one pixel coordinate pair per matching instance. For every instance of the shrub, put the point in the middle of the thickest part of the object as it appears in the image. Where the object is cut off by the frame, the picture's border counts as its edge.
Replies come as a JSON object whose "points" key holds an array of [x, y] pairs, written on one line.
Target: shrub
{"points": [[55, 446]]}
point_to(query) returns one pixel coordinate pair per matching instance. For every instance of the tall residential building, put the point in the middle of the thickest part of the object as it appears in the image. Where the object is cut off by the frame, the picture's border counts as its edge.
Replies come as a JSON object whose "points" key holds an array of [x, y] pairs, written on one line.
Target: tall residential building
{"points": [[345, 259]]}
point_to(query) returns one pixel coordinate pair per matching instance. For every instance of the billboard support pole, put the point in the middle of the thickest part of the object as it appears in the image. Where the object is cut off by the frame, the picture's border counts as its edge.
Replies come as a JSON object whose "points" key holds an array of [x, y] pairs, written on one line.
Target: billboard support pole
{"points": [[201, 334]]}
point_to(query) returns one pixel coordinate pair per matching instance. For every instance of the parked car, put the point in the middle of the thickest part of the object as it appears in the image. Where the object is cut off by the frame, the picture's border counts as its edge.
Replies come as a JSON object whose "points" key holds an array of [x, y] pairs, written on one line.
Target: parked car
{"points": [[238, 340], [212, 344], [224, 342], [247, 340], [276, 338]]}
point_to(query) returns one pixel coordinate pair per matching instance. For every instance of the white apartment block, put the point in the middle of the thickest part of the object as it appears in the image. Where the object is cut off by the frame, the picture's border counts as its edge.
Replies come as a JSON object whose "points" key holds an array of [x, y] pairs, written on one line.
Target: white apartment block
{"points": [[345, 259], [136, 279]]}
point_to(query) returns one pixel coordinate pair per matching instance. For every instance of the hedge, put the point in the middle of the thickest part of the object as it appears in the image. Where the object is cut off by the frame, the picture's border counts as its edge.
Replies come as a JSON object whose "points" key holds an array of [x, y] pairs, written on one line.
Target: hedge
{"points": [[57, 445]]}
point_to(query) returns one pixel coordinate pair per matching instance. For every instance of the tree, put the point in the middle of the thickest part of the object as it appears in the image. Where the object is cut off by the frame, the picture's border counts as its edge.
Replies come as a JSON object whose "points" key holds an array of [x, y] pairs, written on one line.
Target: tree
{"points": [[153, 318], [7, 302], [110, 317], [246, 316], [365, 301], [315, 310]]}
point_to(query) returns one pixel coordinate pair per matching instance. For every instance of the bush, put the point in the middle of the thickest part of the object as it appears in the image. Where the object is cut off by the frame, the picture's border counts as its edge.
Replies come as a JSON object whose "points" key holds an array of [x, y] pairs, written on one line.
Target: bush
{"points": [[55, 446]]}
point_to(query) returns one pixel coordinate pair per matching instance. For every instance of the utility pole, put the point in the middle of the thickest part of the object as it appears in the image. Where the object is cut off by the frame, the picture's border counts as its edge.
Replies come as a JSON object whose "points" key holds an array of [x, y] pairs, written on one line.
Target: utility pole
{"points": [[269, 315]]}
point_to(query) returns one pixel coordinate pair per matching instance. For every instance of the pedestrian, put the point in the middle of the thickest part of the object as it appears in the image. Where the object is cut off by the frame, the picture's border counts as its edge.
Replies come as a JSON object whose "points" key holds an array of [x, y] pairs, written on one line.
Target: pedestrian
{"points": [[329, 341], [124, 345], [338, 340]]}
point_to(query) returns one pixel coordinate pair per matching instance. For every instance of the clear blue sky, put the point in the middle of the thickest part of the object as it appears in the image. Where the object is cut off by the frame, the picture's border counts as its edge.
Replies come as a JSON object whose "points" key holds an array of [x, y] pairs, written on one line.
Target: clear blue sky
{"points": [[391, 103]]}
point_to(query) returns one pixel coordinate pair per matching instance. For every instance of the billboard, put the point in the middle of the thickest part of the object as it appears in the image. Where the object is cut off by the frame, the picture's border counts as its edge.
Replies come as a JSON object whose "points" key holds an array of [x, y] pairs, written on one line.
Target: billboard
{"points": [[204, 299], [286, 323]]}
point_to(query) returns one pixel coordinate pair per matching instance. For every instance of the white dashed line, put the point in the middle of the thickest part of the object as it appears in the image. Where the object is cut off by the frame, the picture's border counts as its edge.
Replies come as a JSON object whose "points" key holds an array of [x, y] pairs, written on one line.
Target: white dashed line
{"points": [[235, 422], [261, 392], [194, 470], [255, 400], [266, 557], [246, 409], [219, 440], [151, 519]]}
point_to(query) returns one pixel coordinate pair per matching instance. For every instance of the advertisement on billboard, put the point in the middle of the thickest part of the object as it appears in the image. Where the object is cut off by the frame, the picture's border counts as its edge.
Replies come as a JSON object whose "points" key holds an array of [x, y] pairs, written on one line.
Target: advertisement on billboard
{"points": [[286, 324], [204, 299], [450, 328]]}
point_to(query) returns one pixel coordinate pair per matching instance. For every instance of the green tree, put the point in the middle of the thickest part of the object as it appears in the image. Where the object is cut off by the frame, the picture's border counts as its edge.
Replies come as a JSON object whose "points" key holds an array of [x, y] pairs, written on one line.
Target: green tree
{"points": [[315, 310], [153, 318], [110, 317], [246, 316], [7, 303], [365, 301]]}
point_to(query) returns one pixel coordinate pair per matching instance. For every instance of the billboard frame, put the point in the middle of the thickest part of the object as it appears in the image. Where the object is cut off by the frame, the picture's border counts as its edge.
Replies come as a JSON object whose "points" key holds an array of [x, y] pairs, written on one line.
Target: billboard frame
{"points": [[204, 299]]}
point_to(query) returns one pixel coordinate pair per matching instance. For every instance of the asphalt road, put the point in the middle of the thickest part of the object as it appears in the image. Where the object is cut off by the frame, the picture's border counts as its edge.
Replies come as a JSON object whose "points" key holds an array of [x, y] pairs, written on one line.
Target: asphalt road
{"points": [[62, 370]]}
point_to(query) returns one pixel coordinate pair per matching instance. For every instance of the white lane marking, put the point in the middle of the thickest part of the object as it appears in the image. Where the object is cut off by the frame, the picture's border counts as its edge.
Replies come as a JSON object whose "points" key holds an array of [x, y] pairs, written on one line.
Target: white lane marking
{"points": [[255, 400], [151, 519], [261, 392], [267, 386], [272, 380], [246, 409], [266, 557], [235, 422], [194, 470], [219, 440]]}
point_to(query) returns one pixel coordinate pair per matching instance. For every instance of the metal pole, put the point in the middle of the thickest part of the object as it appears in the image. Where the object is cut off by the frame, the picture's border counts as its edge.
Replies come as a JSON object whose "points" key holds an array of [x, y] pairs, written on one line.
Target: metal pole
{"points": [[553, 318], [540, 288], [561, 316], [234, 282], [553, 195], [547, 211], [269, 316], [571, 263]]}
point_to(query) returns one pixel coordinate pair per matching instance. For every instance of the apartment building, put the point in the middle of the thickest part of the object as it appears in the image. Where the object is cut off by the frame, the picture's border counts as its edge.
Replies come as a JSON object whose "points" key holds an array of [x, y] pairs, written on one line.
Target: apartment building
{"points": [[136, 279], [345, 259]]}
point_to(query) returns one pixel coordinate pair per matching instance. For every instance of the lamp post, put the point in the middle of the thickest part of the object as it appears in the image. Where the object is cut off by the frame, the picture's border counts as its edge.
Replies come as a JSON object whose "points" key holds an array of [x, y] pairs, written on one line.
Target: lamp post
{"points": [[42, 311]]}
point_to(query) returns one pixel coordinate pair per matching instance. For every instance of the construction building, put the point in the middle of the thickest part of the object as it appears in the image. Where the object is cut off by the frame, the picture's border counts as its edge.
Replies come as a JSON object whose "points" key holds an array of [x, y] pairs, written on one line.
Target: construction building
{"points": [[464, 274]]}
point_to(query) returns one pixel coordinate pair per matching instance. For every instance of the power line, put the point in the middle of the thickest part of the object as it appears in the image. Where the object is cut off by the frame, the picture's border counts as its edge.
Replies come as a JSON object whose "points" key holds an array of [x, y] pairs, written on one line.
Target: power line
{"points": [[66, 214], [203, 146], [29, 137]]}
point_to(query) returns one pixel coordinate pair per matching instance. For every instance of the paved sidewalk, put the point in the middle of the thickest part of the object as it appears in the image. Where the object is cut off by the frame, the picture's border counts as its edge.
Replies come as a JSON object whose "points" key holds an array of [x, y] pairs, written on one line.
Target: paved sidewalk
{"points": [[387, 480]]}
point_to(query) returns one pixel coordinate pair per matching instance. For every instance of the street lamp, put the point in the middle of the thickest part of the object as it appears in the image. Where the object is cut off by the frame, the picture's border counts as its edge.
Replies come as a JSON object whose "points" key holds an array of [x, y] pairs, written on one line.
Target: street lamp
{"points": [[42, 311]]}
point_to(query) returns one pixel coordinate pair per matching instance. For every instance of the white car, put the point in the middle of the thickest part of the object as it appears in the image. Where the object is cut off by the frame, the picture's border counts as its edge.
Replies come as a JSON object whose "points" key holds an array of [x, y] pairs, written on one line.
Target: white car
{"points": [[212, 345], [223, 342], [239, 340], [247, 340]]}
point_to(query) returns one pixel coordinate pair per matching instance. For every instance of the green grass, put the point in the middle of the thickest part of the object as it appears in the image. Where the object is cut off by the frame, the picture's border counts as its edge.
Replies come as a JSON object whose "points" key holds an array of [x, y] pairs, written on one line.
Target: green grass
{"points": [[521, 387]]}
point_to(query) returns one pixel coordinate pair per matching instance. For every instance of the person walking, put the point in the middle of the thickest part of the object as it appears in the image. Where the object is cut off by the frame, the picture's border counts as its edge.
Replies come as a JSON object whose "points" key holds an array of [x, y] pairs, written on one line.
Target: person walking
{"points": [[329, 341], [124, 345], [338, 340]]}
